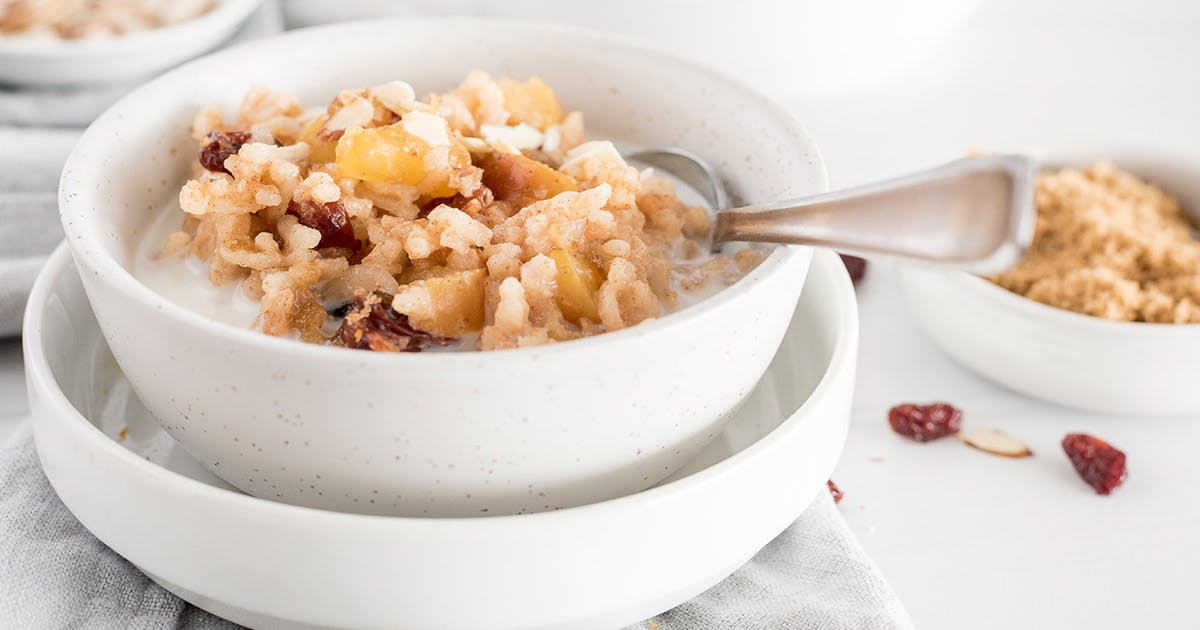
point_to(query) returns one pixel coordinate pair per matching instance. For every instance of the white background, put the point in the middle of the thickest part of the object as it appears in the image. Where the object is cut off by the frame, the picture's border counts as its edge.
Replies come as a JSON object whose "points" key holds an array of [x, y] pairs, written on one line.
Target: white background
{"points": [[967, 539], [970, 540]]}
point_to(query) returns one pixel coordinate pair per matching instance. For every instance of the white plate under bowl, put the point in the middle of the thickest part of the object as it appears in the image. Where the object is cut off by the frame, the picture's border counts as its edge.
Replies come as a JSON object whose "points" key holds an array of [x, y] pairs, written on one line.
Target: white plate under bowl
{"points": [[272, 565], [47, 61]]}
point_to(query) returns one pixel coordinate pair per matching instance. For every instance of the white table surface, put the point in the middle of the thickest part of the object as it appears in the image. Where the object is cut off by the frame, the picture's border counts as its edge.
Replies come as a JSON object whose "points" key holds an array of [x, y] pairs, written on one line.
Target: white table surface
{"points": [[968, 539]]}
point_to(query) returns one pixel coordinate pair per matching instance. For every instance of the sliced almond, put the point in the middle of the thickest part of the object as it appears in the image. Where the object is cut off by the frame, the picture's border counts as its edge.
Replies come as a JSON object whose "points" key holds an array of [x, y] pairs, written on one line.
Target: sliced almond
{"points": [[476, 145], [994, 441], [430, 128], [604, 150], [357, 112], [397, 96], [522, 136]]}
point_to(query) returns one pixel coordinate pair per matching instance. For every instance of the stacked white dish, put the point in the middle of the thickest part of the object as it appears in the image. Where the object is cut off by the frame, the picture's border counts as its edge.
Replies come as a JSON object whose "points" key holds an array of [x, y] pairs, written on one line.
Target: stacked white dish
{"points": [[269, 565], [742, 400]]}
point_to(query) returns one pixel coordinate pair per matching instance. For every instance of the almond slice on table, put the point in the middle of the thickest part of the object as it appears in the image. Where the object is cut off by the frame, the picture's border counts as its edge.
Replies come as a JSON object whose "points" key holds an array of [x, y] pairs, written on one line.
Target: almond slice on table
{"points": [[994, 441]]}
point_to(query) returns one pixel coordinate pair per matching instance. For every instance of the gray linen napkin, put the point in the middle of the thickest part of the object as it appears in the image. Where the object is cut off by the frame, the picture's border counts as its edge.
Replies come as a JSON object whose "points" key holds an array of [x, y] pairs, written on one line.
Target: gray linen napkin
{"points": [[57, 575], [38, 127], [30, 162]]}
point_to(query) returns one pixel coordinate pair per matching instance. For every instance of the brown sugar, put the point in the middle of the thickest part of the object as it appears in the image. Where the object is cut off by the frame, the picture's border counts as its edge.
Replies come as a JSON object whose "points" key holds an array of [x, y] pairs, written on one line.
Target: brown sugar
{"points": [[1110, 245]]}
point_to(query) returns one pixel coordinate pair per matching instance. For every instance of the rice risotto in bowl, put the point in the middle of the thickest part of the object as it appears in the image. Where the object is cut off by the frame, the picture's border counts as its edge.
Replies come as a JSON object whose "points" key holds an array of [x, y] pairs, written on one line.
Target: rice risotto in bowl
{"points": [[480, 218]]}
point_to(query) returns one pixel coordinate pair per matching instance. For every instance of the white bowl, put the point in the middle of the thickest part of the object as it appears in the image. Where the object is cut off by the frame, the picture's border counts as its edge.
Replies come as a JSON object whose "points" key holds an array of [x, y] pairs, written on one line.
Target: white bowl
{"points": [[1075, 360], [44, 61], [270, 565], [448, 434]]}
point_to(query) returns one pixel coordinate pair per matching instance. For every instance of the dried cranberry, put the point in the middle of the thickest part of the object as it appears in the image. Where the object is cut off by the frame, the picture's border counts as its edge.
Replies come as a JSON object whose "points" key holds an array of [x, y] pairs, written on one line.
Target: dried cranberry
{"points": [[925, 422], [835, 491], [1100, 464], [218, 146], [329, 219], [855, 265], [374, 325]]}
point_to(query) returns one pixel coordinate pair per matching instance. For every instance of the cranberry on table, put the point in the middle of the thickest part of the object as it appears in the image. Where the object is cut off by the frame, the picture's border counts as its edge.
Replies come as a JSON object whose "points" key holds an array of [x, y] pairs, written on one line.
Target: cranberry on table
{"points": [[1099, 464], [835, 491], [857, 267], [925, 422]]}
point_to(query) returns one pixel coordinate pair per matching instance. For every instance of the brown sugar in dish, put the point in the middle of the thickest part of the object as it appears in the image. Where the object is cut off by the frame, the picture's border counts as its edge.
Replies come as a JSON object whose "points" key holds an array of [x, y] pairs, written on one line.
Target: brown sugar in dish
{"points": [[1110, 245]]}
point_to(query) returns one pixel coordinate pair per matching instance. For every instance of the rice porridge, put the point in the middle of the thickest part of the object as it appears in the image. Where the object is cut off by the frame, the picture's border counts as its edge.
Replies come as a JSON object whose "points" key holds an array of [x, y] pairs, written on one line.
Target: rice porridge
{"points": [[481, 218]]}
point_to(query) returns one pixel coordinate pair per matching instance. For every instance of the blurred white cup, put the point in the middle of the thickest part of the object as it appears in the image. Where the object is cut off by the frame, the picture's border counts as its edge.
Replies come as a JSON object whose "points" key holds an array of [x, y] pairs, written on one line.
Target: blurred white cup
{"points": [[789, 49]]}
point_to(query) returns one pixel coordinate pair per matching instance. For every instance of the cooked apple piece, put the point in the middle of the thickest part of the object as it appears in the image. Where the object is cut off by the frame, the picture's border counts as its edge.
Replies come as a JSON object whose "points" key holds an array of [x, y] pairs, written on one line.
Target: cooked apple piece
{"points": [[437, 184], [307, 318], [319, 150], [578, 280], [531, 102], [521, 180], [390, 154], [381, 154], [457, 298], [413, 274]]}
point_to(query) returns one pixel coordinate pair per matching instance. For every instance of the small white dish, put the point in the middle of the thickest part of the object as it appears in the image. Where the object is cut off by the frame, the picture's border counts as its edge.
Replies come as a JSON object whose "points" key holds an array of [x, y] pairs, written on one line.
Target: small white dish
{"points": [[272, 565], [453, 433], [88, 61], [1064, 357]]}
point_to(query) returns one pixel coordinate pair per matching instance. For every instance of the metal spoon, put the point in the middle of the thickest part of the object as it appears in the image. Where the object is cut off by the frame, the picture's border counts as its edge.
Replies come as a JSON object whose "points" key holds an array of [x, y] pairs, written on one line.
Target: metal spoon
{"points": [[974, 214]]}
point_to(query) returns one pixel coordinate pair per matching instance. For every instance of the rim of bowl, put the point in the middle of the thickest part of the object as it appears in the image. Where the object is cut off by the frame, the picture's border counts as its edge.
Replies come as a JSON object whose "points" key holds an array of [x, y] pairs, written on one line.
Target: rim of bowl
{"points": [[40, 377], [225, 12], [1034, 309], [74, 203]]}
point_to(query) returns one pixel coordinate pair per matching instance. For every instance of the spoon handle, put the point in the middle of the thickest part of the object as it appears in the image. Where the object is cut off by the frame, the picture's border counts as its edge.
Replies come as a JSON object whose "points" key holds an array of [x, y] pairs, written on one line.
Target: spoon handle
{"points": [[975, 214]]}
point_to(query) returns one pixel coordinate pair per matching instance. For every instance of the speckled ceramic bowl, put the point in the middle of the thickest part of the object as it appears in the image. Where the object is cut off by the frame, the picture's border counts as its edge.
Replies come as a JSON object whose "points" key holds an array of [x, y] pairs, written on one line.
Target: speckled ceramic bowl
{"points": [[450, 434]]}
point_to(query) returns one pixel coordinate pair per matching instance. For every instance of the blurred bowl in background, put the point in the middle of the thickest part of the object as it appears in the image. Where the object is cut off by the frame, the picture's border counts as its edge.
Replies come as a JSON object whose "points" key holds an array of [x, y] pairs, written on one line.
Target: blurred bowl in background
{"points": [[88, 61], [794, 49]]}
